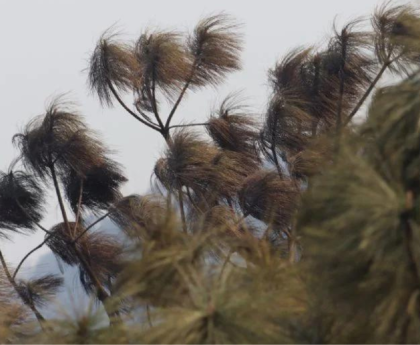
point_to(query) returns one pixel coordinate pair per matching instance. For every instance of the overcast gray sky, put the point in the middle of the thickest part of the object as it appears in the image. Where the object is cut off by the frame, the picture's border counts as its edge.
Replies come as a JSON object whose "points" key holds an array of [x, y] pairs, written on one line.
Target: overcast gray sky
{"points": [[46, 45]]}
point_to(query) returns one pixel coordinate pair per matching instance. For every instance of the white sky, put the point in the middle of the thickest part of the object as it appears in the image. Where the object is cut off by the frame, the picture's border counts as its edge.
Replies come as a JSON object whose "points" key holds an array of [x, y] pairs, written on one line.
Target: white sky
{"points": [[46, 45]]}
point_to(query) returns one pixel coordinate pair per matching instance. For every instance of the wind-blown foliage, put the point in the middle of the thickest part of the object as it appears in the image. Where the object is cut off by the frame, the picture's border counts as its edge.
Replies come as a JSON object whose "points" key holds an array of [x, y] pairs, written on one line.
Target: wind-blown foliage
{"points": [[188, 163], [61, 138], [15, 323], [269, 198], [215, 46], [100, 186], [139, 215], [112, 64], [394, 27], [232, 128], [39, 290], [366, 243], [164, 63], [296, 226], [21, 202]]}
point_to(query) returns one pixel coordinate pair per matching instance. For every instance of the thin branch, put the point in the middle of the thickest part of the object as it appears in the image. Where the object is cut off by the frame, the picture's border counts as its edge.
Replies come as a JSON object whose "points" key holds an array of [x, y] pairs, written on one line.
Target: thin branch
{"points": [[181, 95], [42, 228], [367, 92], [79, 208], [178, 101], [90, 226], [341, 92], [114, 92], [388, 61], [59, 197], [189, 125], [39, 246], [340, 106], [152, 96], [181, 206], [192, 202], [146, 117], [273, 147]]}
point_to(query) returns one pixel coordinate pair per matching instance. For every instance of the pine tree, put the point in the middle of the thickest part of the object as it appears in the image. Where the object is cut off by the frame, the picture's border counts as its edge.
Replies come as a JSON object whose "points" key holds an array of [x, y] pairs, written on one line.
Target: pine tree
{"points": [[301, 229]]}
